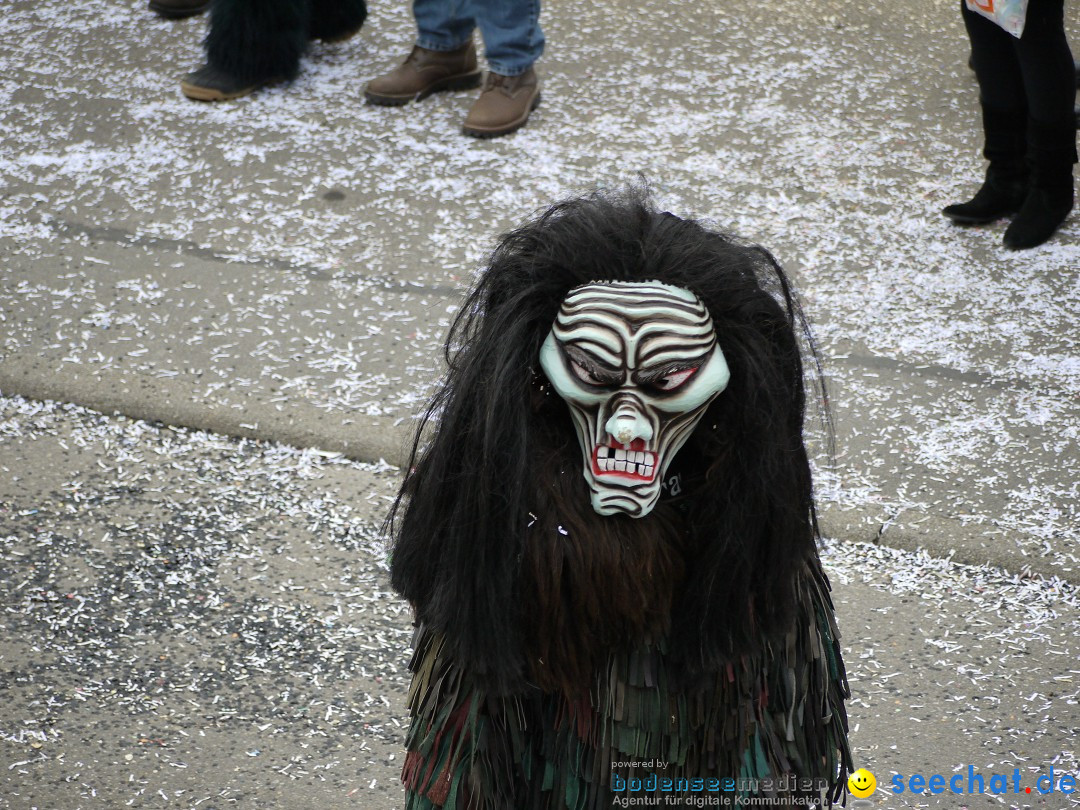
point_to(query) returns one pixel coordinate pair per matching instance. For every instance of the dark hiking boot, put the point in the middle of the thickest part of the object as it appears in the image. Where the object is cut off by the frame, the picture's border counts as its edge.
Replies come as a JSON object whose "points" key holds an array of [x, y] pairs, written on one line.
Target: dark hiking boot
{"points": [[210, 84], [178, 9]]}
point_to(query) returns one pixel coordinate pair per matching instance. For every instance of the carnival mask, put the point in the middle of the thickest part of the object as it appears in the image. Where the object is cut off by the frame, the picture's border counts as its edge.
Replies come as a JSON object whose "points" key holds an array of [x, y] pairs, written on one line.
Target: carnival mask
{"points": [[638, 364]]}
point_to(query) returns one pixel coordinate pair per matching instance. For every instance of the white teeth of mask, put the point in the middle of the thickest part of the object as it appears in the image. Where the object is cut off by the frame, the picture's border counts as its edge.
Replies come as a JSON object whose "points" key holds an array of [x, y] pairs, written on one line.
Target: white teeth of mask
{"points": [[637, 462], [610, 465], [638, 364]]}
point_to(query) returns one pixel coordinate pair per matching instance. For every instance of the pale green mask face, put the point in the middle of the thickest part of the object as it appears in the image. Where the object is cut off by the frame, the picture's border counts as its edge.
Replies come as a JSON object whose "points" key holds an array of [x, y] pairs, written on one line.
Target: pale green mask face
{"points": [[638, 364]]}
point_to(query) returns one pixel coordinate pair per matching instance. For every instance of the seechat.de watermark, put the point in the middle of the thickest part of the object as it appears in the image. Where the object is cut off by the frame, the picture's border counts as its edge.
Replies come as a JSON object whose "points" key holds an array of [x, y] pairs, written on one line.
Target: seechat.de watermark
{"points": [[977, 782]]}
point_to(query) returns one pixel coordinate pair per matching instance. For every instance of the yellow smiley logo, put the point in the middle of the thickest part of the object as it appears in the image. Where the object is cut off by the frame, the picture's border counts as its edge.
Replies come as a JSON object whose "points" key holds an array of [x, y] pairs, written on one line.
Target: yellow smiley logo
{"points": [[862, 783]]}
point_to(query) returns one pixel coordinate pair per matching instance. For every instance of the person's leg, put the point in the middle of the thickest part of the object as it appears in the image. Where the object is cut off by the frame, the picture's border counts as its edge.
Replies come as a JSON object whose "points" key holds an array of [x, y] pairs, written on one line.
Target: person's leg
{"points": [[1004, 118], [1046, 64], [994, 60], [443, 25], [513, 39], [1049, 77]]}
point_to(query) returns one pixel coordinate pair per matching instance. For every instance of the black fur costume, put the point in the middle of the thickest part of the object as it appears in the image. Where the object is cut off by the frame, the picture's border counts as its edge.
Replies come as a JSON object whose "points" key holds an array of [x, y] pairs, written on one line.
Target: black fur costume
{"points": [[561, 654], [254, 41]]}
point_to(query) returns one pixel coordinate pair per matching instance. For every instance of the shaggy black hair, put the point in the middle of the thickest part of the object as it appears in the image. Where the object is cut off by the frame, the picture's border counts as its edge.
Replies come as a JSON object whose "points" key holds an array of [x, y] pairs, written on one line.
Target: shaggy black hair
{"points": [[503, 454], [256, 40]]}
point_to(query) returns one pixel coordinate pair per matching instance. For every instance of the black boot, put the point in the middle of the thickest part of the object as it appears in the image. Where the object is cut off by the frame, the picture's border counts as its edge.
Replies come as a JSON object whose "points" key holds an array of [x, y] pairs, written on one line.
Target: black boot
{"points": [[178, 9], [336, 20], [1003, 192], [1052, 153], [251, 43]]}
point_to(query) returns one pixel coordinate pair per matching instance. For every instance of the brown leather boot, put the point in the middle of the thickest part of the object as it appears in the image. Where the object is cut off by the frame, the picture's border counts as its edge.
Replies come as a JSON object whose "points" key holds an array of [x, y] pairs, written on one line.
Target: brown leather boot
{"points": [[425, 72], [504, 105]]}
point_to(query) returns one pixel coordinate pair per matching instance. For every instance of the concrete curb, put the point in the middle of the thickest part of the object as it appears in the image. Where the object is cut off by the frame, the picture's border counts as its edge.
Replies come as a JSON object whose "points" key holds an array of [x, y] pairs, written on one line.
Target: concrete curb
{"points": [[967, 543], [375, 439], [170, 402]]}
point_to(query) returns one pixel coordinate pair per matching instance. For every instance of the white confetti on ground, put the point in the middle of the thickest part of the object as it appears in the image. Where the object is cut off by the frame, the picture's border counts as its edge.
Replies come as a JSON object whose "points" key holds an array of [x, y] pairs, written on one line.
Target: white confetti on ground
{"points": [[210, 618], [784, 130]]}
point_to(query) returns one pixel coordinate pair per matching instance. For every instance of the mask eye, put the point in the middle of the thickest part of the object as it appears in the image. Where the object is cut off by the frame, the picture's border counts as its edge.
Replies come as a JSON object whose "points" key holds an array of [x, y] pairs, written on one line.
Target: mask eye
{"points": [[584, 374], [676, 379]]}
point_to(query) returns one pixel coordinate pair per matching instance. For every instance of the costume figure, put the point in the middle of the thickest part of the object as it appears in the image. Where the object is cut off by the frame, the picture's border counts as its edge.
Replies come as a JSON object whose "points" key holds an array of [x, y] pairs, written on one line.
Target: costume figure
{"points": [[610, 539], [253, 43]]}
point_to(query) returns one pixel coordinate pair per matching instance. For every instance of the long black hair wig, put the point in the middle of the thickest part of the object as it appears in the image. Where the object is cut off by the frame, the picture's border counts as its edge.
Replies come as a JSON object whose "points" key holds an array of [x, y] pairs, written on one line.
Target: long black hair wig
{"points": [[496, 453]]}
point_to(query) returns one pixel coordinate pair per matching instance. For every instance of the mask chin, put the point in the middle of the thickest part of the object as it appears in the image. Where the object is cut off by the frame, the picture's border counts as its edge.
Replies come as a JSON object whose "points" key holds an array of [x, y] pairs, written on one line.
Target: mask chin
{"points": [[622, 480]]}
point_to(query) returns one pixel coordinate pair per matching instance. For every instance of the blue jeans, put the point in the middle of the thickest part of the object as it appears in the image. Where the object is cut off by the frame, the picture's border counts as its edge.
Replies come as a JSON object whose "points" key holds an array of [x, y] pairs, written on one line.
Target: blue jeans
{"points": [[510, 28]]}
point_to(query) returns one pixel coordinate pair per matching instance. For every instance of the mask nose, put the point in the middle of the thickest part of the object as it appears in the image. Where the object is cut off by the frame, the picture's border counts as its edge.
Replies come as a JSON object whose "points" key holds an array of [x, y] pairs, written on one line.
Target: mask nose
{"points": [[628, 423]]}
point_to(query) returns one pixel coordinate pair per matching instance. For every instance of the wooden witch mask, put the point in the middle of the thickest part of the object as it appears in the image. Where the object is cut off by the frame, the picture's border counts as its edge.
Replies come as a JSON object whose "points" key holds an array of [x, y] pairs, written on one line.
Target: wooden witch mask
{"points": [[638, 364]]}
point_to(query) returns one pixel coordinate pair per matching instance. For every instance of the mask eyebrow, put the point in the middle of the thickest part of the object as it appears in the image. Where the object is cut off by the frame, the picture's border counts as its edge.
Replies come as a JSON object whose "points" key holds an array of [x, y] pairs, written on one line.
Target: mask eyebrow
{"points": [[604, 338], [671, 346]]}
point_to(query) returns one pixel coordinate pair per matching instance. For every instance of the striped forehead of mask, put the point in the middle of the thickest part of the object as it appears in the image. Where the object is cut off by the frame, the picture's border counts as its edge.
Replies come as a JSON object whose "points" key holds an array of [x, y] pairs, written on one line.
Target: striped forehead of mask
{"points": [[664, 322]]}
